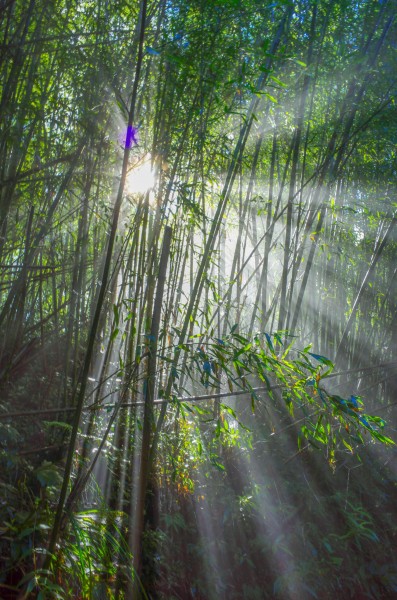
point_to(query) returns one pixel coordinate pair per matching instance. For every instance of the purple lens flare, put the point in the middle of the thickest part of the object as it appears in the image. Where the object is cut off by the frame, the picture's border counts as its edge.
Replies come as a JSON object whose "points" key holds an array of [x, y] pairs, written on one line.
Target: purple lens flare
{"points": [[129, 137]]}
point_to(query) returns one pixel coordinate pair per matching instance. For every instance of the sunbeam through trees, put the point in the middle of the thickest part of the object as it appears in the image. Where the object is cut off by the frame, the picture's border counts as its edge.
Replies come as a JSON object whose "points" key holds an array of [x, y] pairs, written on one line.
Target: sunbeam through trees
{"points": [[198, 299]]}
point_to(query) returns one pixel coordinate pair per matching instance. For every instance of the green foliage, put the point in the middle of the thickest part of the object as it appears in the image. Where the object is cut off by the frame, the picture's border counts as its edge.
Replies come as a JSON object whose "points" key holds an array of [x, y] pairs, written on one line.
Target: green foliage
{"points": [[327, 420], [271, 127], [48, 475]]}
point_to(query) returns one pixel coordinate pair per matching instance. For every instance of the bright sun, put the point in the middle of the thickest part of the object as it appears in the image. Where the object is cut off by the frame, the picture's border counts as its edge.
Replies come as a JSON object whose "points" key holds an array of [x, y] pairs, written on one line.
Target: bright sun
{"points": [[140, 178]]}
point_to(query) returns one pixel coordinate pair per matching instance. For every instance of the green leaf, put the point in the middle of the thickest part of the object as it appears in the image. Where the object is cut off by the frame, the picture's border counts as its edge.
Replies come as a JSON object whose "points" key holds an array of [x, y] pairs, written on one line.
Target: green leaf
{"points": [[116, 314], [114, 334], [217, 464], [322, 359], [348, 446], [271, 98]]}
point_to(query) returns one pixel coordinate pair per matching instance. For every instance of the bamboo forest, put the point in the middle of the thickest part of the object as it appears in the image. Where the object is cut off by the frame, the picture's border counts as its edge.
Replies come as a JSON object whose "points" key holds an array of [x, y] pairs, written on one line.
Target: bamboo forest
{"points": [[198, 299]]}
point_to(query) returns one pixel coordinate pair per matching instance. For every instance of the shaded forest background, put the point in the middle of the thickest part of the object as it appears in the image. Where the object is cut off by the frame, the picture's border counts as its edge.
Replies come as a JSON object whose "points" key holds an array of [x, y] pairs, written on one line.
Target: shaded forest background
{"points": [[198, 299]]}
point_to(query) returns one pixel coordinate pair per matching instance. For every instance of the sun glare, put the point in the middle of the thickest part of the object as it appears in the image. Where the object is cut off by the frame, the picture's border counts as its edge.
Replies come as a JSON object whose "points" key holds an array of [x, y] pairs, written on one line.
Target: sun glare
{"points": [[141, 177]]}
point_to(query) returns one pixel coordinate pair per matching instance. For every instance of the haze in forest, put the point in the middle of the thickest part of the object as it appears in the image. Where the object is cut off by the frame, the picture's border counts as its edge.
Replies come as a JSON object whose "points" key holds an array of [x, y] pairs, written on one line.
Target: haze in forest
{"points": [[198, 299]]}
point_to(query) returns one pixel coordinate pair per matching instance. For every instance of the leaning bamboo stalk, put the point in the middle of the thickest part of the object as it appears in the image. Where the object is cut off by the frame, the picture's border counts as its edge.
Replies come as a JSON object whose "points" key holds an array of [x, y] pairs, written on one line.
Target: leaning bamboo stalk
{"points": [[100, 300], [148, 420], [363, 286]]}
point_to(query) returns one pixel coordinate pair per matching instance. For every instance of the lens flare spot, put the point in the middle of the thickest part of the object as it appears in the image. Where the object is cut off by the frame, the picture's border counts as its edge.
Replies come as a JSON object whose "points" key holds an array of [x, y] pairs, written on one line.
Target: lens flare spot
{"points": [[129, 137]]}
